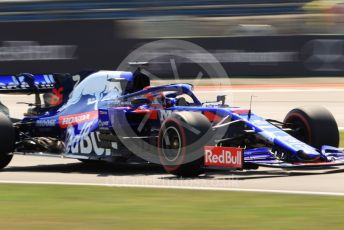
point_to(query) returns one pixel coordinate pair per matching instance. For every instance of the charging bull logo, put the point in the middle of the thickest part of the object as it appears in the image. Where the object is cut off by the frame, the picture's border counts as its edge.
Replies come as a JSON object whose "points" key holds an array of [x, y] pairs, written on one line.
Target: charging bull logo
{"points": [[96, 87]]}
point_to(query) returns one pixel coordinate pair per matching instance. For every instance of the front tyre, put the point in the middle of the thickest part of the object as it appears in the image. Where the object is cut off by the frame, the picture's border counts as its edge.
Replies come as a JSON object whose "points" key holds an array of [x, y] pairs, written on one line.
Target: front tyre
{"points": [[181, 140], [315, 126], [7, 140]]}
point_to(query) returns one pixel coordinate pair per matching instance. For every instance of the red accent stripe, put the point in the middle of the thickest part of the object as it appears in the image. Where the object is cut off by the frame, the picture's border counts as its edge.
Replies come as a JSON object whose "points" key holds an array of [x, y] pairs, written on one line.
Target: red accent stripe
{"points": [[212, 117], [240, 111], [153, 114]]}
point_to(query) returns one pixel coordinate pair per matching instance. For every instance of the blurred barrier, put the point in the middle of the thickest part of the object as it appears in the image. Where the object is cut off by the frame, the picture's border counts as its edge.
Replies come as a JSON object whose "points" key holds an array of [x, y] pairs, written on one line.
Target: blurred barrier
{"points": [[119, 9], [71, 46]]}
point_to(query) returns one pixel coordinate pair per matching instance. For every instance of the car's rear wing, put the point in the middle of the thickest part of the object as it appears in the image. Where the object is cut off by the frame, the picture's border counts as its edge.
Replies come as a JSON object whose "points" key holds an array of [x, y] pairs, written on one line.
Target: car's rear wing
{"points": [[26, 83]]}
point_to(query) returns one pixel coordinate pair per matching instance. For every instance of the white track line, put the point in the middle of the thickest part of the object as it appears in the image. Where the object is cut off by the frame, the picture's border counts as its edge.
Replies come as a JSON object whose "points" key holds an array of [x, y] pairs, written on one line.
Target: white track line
{"points": [[294, 192]]}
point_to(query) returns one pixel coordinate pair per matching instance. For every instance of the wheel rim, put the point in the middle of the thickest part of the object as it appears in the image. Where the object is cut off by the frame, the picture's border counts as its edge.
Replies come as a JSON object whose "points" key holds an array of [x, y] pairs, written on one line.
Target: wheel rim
{"points": [[171, 144]]}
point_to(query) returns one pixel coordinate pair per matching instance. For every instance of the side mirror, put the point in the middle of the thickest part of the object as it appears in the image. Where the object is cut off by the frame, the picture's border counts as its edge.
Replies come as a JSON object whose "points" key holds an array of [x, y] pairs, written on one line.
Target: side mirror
{"points": [[222, 99]]}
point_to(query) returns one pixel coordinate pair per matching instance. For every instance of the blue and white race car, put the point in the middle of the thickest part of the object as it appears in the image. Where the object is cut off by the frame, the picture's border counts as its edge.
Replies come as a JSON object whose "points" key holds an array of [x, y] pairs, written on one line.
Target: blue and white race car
{"points": [[117, 116]]}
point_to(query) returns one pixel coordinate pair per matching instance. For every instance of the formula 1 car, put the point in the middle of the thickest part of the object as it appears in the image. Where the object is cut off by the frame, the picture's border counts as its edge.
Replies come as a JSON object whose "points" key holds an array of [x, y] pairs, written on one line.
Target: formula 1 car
{"points": [[117, 116]]}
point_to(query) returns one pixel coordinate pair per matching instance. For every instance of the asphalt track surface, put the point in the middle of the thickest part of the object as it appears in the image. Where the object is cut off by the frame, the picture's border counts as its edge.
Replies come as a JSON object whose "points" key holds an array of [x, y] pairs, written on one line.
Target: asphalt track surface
{"points": [[271, 101]]}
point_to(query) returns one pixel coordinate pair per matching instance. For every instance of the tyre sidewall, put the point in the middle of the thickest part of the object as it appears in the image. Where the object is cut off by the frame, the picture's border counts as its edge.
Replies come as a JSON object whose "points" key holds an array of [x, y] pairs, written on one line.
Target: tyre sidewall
{"points": [[319, 123]]}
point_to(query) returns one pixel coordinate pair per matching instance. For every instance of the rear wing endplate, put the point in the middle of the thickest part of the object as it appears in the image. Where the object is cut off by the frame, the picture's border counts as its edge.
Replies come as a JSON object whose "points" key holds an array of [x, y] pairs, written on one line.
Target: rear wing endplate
{"points": [[26, 83]]}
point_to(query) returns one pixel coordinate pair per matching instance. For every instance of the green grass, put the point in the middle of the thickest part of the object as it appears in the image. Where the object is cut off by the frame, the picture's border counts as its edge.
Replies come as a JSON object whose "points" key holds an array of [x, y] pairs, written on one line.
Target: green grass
{"points": [[81, 207], [341, 142]]}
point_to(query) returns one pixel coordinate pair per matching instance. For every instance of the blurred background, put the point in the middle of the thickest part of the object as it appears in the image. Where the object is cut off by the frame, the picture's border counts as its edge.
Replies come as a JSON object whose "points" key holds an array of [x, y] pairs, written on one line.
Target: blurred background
{"points": [[257, 38]]}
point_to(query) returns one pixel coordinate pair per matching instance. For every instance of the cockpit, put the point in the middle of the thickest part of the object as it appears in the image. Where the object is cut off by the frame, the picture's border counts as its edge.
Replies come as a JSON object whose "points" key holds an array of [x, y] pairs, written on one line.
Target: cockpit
{"points": [[165, 96]]}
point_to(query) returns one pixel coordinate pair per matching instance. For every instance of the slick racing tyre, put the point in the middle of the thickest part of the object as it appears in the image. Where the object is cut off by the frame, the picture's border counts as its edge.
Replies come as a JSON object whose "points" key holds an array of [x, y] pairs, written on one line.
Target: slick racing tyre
{"points": [[181, 142], [315, 126], [7, 140]]}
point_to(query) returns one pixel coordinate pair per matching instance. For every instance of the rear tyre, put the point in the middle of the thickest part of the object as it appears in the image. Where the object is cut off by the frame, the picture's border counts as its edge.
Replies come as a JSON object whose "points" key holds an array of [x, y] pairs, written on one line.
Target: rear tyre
{"points": [[181, 140], [7, 140], [315, 126]]}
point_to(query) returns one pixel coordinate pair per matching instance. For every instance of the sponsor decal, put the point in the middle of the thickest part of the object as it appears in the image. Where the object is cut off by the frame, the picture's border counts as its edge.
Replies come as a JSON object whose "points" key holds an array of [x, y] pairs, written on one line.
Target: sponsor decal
{"points": [[45, 123], [226, 157], [74, 119], [103, 123], [86, 142]]}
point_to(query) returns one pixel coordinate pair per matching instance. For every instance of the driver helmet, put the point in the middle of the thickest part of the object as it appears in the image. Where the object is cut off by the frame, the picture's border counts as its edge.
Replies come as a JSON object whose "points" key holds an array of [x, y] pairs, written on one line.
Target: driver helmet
{"points": [[50, 99]]}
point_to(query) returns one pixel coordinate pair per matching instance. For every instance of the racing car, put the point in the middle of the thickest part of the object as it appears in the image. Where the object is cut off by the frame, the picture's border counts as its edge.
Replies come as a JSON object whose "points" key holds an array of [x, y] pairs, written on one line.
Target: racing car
{"points": [[118, 116]]}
